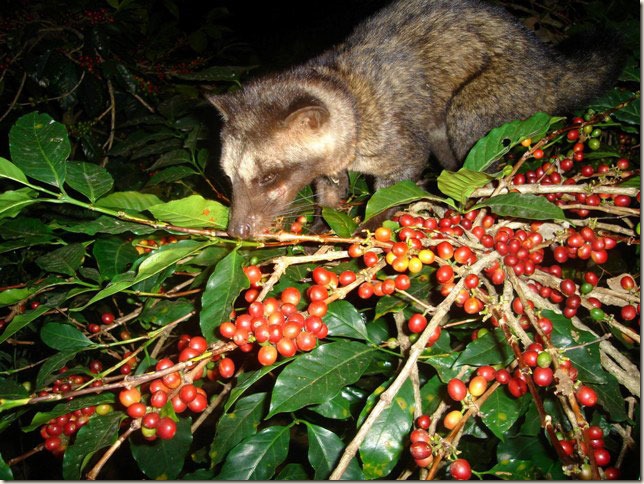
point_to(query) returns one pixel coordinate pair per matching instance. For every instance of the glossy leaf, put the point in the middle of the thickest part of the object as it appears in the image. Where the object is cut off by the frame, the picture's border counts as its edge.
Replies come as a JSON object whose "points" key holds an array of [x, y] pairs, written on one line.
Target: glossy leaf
{"points": [[501, 140], [65, 260], [129, 201], [12, 202], [319, 375], [293, 472], [40, 147], [89, 179], [11, 172], [460, 185], [388, 436], [325, 449], [171, 174], [193, 211], [11, 390], [398, 194], [340, 222], [163, 312], [235, 426], [523, 205], [21, 320], [5, 470], [101, 431], [224, 285], [490, 348], [51, 365], [162, 259], [533, 449], [343, 405], [64, 337], [257, 457], [108, 225], [163, 459], [500, 411], [585, 357], [113, 256], [249, 378], [343, 319]]}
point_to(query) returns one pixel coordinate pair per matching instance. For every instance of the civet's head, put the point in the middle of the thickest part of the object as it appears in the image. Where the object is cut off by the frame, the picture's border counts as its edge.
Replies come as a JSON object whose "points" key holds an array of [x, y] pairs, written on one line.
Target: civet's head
{"points": [[278, 136]]}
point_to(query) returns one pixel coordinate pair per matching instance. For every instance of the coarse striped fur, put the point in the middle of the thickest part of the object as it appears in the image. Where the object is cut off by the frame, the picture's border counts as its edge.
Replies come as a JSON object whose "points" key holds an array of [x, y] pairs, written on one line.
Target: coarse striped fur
{"points": [[419, 78]]}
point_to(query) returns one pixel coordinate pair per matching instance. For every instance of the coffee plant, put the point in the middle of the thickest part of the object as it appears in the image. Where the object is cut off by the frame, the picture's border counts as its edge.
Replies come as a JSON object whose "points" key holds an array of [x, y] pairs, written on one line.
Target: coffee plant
{"points": [[490, 329]]}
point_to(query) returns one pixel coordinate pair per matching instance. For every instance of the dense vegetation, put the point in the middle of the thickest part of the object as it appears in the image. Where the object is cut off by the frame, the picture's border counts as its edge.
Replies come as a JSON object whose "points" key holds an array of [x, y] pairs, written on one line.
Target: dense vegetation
{"points": [[490, 329]]}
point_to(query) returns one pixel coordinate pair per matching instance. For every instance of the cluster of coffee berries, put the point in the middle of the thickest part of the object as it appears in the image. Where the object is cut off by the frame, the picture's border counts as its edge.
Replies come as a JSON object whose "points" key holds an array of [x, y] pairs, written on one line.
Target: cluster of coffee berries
{"points": [[276, 324], [148, 401], [59, 431], [420, 442]]}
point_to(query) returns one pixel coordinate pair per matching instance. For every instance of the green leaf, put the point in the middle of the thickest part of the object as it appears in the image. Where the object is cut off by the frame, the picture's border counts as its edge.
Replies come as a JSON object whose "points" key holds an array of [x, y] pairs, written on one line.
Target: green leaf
{"points": [[526, 448], [523, 205], [101, 431], [343, 405], [12, 296], [21, 320], [108, 225], [12, 172], [325, 449], [171, 174], [398, 194], [235, 426], [340, 222], [500, 412], [609, 396], [343, 319], [162, 312], [193, 211], [65, 260], [52, 364], [319, 375], [89, 179], [13, 201], [63, 408], [585, 357], [113, 256], [174, 157], [293, 472], [388, 436], [460, 185], [39, 147], [163, 459], [257, 457], [491, 348], [249, 378], [501, 140], [162, 259], [629, 114], [632, 182], [11, 390], [5, 470], [514, 470], [223, 286], [129, 201], [64, 337], [25, 227], [430, 395]]}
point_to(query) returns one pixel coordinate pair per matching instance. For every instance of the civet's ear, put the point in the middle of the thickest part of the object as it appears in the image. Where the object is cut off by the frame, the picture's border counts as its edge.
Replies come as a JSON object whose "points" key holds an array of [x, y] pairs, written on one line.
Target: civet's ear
{"points": [[311, 118], [223, 103]]}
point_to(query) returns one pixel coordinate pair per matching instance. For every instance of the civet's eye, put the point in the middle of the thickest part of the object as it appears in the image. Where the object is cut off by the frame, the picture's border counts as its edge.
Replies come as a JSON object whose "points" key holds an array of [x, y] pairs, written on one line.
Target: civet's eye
{"points": [[267, 179]]}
